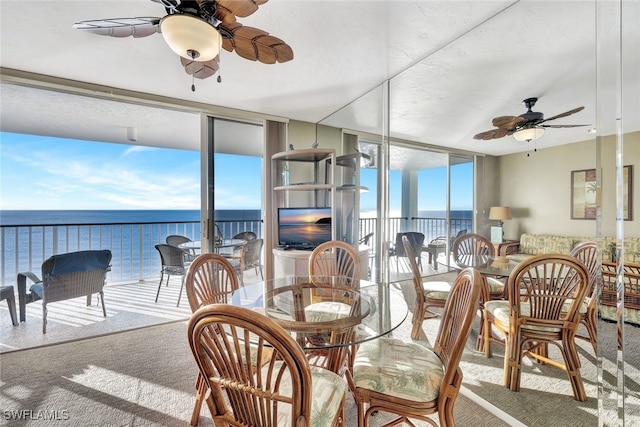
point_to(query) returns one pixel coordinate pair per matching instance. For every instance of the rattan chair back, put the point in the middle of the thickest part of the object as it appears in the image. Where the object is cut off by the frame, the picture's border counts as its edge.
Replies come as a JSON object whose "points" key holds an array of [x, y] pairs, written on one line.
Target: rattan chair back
{"points": [[468, 245], [255, 395], [335, 259], [457, 319], [545, 292], [587, 252], [210, 279]]}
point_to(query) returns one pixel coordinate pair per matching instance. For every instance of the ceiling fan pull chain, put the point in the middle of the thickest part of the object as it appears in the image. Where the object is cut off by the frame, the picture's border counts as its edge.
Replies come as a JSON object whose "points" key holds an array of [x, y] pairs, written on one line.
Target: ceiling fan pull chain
{"points": [[219, 72], [193, 83]]}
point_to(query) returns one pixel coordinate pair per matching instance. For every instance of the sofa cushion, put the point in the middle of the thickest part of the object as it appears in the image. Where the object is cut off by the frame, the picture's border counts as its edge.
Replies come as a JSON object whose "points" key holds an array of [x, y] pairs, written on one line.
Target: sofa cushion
{"points": [[534, 244]]}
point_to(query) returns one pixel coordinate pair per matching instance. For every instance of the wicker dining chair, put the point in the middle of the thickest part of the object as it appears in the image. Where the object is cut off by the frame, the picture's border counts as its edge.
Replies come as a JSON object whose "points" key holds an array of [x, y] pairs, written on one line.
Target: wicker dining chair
{"points": [[466, 248], [587, 252], [544, 293], [284, 390], [332, 263], [210, 279], [409, 380], [429, 294], [335, 259]]}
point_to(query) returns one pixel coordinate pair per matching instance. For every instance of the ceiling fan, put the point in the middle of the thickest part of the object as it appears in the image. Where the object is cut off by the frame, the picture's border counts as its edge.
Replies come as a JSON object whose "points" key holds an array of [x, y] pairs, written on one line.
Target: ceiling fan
{"points": [[525, 127], [196, 30]]}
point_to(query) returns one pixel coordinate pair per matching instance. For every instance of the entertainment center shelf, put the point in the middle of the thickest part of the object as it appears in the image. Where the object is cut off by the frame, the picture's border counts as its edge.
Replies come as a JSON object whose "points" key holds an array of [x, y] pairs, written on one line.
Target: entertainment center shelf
{"points": [[317, 180], [303, 187]]}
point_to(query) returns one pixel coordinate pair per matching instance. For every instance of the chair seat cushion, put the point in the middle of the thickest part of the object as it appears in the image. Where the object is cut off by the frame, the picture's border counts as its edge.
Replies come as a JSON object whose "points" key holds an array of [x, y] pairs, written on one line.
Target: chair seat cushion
{"points": [[326, 311], [436, 290], [327, 395], [500, 310], [582, 309], [416, 376], [496, 286], [37, 291]]}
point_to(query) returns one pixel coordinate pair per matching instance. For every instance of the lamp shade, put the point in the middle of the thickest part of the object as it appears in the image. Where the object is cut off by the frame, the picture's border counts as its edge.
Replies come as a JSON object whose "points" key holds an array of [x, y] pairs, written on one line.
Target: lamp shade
{"points": [[528, 134], [191, 37], [500, 213]]}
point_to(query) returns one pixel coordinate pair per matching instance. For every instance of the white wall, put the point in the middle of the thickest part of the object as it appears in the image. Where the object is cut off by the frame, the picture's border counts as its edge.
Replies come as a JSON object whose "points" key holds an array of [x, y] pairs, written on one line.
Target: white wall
{"points": [[538, 188]]}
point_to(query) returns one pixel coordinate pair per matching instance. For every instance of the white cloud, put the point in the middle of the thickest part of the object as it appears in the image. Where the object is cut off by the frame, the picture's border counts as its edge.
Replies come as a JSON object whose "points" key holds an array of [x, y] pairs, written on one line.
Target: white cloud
{"points": [[137, 149]]}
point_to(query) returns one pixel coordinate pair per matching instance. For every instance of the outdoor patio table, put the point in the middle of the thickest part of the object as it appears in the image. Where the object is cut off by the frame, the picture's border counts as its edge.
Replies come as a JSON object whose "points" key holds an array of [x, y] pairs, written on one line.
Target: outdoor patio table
{"points": [[225, 243]]}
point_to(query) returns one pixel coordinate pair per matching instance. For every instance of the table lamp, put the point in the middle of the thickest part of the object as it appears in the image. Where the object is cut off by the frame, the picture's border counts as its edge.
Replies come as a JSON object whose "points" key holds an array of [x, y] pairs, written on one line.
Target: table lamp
{"points": [[498, 213]]}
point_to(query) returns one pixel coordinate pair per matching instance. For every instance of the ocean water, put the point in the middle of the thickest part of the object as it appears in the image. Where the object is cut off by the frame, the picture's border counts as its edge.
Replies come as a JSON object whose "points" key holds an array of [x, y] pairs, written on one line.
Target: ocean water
{"points": [[48, 217], [28, 237]]}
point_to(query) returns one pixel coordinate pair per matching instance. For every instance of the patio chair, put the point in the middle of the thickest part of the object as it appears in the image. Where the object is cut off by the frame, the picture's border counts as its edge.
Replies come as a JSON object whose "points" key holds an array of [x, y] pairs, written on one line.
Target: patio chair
{"points": [[65, 276], [283, 390], [544, 294], [410, 380], [210, 279], [177, 240], [172, 260], [246, 235], [6, 293], [416, 239], [246, 257]]}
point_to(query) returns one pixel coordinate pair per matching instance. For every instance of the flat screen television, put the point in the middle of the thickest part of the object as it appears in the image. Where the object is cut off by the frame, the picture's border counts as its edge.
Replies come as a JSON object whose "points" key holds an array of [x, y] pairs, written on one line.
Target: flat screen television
{"points": [[303, 228]]}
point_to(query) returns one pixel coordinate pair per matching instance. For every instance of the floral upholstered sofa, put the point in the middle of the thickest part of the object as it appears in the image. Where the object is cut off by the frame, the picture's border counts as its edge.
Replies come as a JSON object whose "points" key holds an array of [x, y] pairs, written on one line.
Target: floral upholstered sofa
{"points": [[534, 244]]}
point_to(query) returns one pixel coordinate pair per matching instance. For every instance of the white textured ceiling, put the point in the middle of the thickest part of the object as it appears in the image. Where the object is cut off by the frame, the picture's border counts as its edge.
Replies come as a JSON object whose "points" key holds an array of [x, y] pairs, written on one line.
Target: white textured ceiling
{"points": [[454, 65]]}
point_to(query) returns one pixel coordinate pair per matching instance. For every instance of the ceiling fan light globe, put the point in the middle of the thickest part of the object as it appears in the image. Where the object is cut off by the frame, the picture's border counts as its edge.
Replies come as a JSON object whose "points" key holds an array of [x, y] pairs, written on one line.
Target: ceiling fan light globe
{"points": [[186, 34], [528, 134]]}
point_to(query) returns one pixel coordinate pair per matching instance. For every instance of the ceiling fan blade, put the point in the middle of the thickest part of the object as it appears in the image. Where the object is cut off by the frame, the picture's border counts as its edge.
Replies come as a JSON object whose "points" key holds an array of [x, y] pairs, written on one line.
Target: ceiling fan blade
{"points": [[507, 122], [562, 126], [565, 114], [255, 44], [201, 70], [224, 15], [241, 8], [121, 27], [492, 134]]}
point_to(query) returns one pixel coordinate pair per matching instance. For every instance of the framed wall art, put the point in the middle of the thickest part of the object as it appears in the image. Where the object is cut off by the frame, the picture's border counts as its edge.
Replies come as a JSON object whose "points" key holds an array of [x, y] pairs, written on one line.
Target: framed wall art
{"points": [[584, 193]]}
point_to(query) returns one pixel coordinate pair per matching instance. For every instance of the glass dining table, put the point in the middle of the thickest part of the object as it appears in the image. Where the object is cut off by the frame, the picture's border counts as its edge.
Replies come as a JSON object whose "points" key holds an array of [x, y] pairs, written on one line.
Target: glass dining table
{"points": [[499, 268], [324, 313], [485, 264]]}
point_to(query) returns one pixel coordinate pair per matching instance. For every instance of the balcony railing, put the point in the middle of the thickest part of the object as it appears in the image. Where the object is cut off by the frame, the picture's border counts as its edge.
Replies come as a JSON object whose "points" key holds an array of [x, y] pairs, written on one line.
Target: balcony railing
{"points": [[430, 227], [25, 247]]}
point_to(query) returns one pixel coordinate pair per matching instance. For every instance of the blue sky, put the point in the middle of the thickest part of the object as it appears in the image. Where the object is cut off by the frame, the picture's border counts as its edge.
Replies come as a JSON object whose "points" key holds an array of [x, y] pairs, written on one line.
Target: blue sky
{"points": [[41, 173]]}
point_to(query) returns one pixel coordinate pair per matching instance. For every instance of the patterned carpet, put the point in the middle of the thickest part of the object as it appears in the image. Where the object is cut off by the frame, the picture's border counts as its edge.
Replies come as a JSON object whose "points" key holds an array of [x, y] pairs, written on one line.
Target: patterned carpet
{"points": [[144, 375]]}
